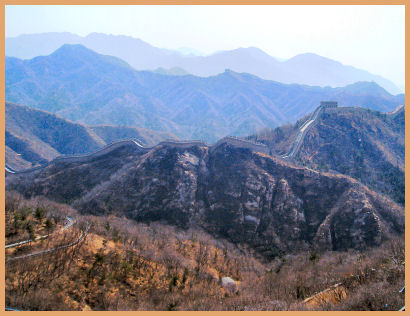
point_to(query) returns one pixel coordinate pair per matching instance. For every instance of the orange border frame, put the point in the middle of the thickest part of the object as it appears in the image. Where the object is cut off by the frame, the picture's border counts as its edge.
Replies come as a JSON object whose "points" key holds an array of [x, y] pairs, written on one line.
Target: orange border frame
{"points": [[182, 2]]}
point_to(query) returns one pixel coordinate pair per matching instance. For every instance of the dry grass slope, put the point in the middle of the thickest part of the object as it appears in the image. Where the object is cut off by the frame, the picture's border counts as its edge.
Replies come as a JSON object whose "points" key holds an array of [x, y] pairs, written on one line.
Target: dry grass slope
{"points": [[124, 265]]}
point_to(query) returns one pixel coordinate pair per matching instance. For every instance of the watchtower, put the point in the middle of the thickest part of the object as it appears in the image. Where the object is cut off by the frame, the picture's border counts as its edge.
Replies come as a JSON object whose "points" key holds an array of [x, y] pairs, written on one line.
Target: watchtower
{"points": [[328, 104]]}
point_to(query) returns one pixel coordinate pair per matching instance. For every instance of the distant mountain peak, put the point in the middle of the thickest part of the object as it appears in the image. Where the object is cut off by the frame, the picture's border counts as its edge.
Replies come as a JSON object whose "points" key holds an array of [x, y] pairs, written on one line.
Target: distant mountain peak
{"points": [[80, 52], [366, 87], [73, 48], [74, 51], [256, 50]]}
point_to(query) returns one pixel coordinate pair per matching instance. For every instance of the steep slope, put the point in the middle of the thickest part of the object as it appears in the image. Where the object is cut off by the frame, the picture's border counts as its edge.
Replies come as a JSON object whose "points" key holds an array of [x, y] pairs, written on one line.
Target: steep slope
{"points": [[247, 197], [125, 265], [307, 69], [14, 161], [86, 87], [364, 144], [35, 137]]}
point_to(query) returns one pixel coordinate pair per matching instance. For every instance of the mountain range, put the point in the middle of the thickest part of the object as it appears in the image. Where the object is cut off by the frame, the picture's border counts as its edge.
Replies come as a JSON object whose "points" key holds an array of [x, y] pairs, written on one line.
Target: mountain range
{"points": [[307, 68], [86, 87]]}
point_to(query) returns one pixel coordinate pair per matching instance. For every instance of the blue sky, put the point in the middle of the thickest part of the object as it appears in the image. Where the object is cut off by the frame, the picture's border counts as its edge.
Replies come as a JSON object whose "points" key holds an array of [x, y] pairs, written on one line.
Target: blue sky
{"points": [[367, 37]]}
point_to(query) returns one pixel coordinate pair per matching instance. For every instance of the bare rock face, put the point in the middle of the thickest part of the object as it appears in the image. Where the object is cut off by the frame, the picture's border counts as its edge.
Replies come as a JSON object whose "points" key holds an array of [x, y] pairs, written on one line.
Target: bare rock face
{"points": [[229, 284], [249, 198]]}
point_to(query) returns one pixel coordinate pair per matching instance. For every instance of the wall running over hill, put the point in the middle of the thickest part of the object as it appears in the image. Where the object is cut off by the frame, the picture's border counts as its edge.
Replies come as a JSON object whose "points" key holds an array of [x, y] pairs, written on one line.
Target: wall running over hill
{"points": [[236, 142]]}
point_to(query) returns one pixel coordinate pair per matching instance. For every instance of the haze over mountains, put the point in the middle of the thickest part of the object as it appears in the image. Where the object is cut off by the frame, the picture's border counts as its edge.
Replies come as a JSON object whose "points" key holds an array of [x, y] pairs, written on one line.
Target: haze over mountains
{"points": [[196, 184], [83, 86], [281, 213], [309, 69]]}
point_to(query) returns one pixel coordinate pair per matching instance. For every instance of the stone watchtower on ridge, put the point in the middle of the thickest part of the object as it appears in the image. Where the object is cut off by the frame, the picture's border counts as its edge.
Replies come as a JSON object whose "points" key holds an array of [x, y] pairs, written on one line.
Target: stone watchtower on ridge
{"points": [[328, 104]]}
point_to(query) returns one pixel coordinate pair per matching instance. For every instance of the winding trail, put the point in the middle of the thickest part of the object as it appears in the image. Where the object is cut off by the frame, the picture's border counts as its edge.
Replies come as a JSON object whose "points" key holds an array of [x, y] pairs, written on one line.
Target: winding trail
{"points": [[85, 232], [70, 222], [9, 170], [9, 309]]}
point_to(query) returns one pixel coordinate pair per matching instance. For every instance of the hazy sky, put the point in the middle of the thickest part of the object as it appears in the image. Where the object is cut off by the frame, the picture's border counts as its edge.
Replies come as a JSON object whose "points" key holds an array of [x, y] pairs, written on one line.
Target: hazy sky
{"points": [[367, 37]]}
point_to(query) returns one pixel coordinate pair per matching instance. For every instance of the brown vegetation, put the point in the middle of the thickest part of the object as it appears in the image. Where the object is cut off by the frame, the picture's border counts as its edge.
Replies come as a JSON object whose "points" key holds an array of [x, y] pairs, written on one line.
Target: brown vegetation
{"points": [[30, 219], [125, 265]]}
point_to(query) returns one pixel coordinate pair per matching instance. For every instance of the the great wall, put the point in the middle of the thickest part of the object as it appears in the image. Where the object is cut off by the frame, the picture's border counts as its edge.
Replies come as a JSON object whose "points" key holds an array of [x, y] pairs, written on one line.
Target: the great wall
{"points": [[306, 127], [397, 110], [234, 141], [231, 140], [240, 143]]}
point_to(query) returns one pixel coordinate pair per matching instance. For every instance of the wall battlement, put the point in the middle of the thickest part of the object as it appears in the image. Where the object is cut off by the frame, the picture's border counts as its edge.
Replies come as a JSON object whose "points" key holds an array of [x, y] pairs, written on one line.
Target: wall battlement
{"points": [[182, 144], [237, 142]]}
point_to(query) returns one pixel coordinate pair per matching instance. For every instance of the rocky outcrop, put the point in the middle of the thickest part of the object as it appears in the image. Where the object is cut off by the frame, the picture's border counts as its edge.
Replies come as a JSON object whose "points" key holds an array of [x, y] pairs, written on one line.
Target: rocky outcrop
{"points": [[233, 192], [229, 284]]}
